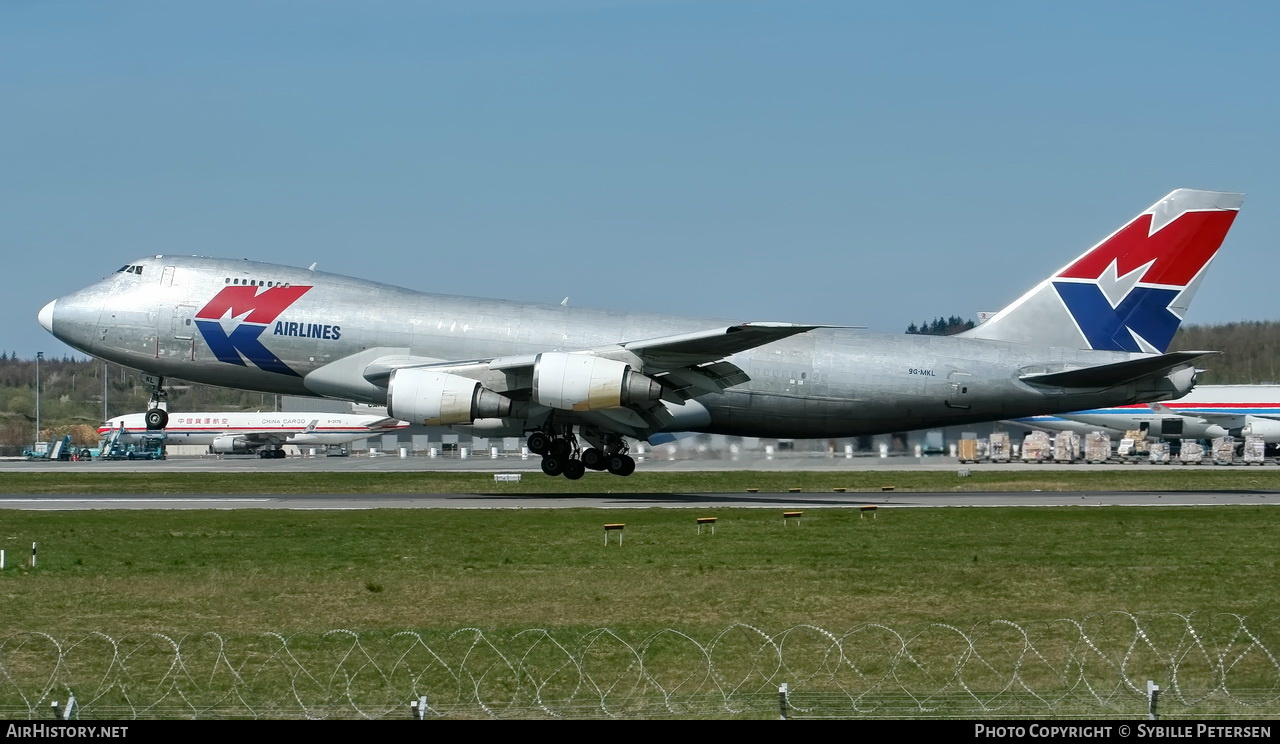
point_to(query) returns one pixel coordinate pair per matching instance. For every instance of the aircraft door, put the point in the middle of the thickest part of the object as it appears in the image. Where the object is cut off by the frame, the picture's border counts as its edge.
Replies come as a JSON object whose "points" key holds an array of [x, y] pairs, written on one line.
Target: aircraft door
{"points": [[958, 384], [184, 325]]}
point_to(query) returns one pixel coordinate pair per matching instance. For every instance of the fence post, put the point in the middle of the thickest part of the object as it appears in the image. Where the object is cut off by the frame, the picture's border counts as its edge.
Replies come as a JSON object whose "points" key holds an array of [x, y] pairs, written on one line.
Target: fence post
{"points": [[418, 708], [1153, 695], [782, 701]]}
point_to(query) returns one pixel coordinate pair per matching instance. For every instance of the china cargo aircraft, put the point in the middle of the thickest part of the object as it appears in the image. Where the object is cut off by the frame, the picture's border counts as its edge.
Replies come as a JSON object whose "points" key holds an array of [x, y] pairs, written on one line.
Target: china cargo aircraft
{"points": [[243, 433], [1207, 412], [581, 383]]}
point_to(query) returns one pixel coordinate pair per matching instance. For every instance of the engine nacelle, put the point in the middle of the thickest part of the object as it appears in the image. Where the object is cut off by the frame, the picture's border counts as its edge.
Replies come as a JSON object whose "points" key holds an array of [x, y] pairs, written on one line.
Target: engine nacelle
{"points": [[579, 382], [231, 445], [424, 396], [1268, 429]]}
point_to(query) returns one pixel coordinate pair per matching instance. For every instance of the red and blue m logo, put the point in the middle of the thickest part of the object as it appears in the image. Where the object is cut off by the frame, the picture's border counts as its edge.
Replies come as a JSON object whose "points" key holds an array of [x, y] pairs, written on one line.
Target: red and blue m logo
{"points": [[258, 310], [1124, 289]]}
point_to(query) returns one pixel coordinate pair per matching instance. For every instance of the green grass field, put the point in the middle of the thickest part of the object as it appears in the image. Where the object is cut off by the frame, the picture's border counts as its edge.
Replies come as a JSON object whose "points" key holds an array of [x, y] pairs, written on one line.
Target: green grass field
{"points": [[504, 572], [287, 571]]}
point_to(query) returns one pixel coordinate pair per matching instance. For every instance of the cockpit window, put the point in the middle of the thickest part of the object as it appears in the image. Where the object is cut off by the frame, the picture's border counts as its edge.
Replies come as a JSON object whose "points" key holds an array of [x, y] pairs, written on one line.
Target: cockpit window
{"points": [[130, 269]]}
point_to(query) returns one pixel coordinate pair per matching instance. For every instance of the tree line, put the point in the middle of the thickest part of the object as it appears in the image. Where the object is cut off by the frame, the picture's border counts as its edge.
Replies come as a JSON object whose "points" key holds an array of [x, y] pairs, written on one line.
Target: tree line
{"points": [[941, 326]]}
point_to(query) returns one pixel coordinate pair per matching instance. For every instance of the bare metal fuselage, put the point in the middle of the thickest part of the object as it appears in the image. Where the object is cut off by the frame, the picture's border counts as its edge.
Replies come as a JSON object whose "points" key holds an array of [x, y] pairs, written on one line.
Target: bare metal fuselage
{"points": [[830, 382]]}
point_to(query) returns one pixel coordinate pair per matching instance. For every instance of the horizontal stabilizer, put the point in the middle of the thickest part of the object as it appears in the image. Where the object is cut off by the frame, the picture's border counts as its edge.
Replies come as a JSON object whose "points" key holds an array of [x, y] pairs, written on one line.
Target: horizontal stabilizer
{"points": [[1117, 373]]}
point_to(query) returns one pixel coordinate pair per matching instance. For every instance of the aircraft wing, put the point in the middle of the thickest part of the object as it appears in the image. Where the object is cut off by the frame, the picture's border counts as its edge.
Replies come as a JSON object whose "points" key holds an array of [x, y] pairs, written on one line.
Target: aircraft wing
{"points": [[386, 422], [686, 359], [699, 347], [678, 367], [693, 363], [264, 438], [1225, 420], [1116, 373]]}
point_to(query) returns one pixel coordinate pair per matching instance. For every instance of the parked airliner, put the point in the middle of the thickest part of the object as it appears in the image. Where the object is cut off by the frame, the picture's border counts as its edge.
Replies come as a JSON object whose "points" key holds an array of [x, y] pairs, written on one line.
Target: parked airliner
{"points": [[1207, 412], [1094, 333], [241, 433]]}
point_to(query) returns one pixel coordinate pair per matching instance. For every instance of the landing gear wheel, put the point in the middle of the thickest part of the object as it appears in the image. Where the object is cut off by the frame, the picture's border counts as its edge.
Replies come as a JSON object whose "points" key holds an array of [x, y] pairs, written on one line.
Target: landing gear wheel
{"points": [[156, 418], [552, 465], [560, 449], [593, 458], [538, 442], [574, 469], [620, 465]]}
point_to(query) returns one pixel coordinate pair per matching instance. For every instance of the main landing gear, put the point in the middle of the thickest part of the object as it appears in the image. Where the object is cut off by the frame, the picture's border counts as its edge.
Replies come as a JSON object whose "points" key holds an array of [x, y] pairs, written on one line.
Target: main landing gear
{"points": [[271, 454], [561, 455], [157, 415]]}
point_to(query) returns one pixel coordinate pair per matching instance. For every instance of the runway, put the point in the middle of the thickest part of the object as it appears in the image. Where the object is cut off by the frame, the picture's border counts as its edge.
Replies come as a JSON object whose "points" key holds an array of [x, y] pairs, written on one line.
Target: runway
{"points": [[615, 497], [517, 464]]}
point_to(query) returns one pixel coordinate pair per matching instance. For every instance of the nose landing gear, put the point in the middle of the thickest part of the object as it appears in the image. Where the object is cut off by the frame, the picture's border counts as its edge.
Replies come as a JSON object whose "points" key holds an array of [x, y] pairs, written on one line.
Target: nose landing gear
{"points": [[157, 415]]}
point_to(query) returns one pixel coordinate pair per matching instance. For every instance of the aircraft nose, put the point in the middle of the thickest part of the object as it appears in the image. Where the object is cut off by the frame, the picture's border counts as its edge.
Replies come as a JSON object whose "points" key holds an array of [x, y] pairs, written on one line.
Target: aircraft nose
{"points": [[46, 316]]}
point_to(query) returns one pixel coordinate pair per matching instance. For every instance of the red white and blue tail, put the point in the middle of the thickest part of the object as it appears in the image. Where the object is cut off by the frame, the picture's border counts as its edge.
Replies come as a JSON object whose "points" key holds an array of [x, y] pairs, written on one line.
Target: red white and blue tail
{"points": [[1131, 291]]}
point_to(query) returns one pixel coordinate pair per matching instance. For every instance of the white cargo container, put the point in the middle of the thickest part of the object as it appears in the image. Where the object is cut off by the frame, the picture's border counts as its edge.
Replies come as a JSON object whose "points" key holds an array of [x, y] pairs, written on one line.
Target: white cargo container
{"points": [[1159, 453], [1191, 453], [1066, 446], [1255, 450], [1036, 447], [1224, 450], [999, 445], [1097, 447]]}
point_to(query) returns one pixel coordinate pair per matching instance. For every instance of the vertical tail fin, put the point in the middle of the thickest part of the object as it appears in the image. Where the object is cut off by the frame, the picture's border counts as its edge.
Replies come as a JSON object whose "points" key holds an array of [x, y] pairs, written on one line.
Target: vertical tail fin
{"points": [[1130, 291]]}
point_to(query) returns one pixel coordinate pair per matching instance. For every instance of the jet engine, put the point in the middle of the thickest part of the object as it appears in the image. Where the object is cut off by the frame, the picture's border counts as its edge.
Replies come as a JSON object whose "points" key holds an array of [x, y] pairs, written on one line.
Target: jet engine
{"points": [[579, 382], [1268, 429], [231, 445], [433, 398]]}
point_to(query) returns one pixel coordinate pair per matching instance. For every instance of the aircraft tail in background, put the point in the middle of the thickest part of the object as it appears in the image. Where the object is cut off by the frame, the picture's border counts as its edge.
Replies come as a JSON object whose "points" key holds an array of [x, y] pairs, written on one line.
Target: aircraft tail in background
{"points": [[1130, 291]]}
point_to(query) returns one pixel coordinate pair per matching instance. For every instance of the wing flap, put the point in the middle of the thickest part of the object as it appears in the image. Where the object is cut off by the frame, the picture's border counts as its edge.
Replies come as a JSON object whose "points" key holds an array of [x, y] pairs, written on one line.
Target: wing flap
{"points": [[687, 382]]}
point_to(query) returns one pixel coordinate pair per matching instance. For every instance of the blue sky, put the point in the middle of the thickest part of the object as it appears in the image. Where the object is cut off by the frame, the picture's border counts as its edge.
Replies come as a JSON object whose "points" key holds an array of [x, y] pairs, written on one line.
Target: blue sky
{"points": [[857, 163]]}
